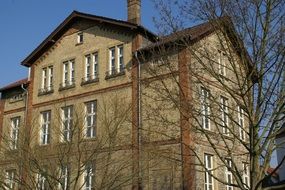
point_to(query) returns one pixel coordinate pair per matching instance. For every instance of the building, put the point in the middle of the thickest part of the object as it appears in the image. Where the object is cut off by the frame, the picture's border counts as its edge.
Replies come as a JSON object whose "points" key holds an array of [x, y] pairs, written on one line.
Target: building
{"points": [[90, 115], [273, 182]]}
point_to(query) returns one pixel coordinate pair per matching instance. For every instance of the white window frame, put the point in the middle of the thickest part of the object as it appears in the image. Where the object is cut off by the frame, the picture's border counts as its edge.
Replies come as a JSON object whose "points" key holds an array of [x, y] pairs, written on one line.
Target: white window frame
{"points": [[116, 59], [88, 67], [50, 77], [45, 127], [245, 175], [95, 65], [112, 60], [65, 73], [71, 72], [209, 180], [91, 66], [88, 176], [93, 117], [67, 111], [14, 133], [224, 116], [242, 133], [120, 64], [44, 78], [206, 111], [64, 177], [228, 174], [80, 38], [10, 178], [47, 78], [41, 181], [222, 64], [68, 74]]}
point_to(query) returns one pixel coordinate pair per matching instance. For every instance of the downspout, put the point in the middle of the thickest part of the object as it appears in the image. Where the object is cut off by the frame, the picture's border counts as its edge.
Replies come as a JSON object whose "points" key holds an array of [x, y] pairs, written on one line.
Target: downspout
{"points": [[25, 125], [139, 116], [26, 103]]}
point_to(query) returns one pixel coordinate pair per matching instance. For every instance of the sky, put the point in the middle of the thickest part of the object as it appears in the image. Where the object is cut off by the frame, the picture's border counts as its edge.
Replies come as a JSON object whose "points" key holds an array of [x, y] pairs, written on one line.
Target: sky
{"points": [[24, 24]]}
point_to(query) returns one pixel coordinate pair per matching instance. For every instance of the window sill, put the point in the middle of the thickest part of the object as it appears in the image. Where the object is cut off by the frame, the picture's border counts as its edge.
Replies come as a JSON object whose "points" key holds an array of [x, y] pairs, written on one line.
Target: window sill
{"points": [[43, 92], [17, 100], [66, 87], [10, 153], [223, 77], [89, 138], [78, 43], [227, 136], [114, 75], [64, 143], [85, 82]]}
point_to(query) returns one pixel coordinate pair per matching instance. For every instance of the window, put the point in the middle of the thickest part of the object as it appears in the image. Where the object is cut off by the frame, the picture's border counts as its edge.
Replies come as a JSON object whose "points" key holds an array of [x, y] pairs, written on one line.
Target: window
{"points": [[42, 182], [91, 67], [208, 161], [45, 127], [229, 175], [68, 76], [116, 60], [79, 37], [120, 58], [245, 175], [241, 123], [17, 97], [67, 122], [91, 109], [205, 108], [224, 111], [10, 179], [64, 177], [222, 64], [89, 177], [112, 61], [47, 79], [14, 134], [162, 179]]}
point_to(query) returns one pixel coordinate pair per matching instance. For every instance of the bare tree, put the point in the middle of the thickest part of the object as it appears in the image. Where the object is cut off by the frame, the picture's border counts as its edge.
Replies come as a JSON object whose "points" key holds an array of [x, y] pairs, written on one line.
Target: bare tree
{"points": [[235, 75], [63, 153]]}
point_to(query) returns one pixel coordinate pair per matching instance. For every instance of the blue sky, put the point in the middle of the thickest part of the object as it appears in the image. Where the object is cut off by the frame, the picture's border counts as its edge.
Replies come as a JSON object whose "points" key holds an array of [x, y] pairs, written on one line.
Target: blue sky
{"points": [[26, 23]]}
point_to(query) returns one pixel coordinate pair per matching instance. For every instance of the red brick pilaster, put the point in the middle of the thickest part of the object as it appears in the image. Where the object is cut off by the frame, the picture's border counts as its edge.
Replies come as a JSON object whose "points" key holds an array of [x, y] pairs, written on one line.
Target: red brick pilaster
{"points": [[185, 120], [2, 106], [135, 116]]}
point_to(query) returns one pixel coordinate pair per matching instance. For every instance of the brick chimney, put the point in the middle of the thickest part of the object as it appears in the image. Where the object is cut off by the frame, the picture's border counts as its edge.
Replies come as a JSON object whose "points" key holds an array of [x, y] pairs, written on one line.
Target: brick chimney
{"points": [[134, 11]]}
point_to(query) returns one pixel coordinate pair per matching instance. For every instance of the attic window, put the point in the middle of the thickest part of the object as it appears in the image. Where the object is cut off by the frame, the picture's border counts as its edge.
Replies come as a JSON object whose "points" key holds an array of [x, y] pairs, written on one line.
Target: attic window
{"points": [[16, 98], [79, 37]]}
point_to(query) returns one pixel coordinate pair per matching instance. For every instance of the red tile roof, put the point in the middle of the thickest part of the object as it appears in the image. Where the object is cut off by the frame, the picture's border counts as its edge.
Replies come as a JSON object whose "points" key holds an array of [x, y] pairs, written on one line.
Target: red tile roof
{"points": [[14, 84], [270, 171]]}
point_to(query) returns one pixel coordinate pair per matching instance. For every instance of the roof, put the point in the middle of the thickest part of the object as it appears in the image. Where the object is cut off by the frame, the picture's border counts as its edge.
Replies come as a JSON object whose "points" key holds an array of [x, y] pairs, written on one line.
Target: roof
{"points": [[196, 33], [281, 132], [272, 172], [274, 186], [14, 84], [59, 31], [192, 33]]}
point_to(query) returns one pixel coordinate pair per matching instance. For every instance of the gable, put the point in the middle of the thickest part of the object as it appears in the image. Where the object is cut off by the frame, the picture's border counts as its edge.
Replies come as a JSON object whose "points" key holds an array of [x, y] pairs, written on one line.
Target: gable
{"points": [[74, 22]]}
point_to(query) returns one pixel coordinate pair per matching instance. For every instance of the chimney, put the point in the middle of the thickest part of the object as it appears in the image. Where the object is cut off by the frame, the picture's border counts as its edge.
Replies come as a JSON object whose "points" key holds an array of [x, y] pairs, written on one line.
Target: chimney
{"points": [[134, 11]]}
